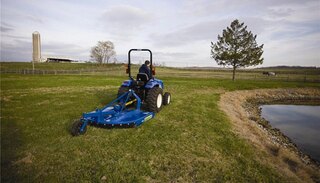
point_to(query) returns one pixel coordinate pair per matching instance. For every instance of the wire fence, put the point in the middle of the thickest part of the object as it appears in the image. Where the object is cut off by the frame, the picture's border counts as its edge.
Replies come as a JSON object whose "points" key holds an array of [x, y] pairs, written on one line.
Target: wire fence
{"points": [[62, 72], [175, 73]]}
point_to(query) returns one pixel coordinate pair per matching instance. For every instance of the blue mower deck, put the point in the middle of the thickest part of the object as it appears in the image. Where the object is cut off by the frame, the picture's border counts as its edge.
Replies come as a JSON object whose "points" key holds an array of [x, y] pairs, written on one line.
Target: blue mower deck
{"points": [[126, 117], [117, 114]]}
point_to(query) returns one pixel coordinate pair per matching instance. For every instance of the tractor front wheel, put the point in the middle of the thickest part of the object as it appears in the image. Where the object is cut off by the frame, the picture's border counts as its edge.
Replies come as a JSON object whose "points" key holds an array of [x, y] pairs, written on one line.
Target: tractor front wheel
{"points": [[154, 100], [76, 127], [166, 98]]}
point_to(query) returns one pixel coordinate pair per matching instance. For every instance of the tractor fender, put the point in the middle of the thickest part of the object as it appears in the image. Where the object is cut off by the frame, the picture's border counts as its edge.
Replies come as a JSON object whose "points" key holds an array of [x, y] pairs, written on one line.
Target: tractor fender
{"points": [[154, 83], [127, 83]]}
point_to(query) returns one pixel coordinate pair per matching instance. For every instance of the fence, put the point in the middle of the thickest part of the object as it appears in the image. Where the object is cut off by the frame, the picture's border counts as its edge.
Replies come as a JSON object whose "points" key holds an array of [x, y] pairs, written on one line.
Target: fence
{"points": [[174, 73], [62, 72]]}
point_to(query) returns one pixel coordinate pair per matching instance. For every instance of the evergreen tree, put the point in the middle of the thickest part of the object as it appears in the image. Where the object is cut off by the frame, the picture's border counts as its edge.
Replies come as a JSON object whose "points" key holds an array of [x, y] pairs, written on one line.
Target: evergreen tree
{"points": [[237, 47]]}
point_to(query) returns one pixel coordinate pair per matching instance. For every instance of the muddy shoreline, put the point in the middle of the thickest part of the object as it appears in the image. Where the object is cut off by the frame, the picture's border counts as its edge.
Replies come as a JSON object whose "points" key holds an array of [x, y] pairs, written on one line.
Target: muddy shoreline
{"points": [[243, 109]]}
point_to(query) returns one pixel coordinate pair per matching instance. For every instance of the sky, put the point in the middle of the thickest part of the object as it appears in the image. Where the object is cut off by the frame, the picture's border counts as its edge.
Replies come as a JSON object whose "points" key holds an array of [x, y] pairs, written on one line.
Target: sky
{"points": [[178, 32]]}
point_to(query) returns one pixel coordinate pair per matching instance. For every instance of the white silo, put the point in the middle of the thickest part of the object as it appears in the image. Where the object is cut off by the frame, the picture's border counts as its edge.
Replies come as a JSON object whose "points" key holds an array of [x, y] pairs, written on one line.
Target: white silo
{"points": [[36, 54]]}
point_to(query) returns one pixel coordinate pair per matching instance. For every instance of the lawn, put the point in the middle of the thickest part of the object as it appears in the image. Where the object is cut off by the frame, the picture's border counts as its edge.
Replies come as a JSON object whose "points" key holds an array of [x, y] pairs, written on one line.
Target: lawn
{"points": [[188, 141]]}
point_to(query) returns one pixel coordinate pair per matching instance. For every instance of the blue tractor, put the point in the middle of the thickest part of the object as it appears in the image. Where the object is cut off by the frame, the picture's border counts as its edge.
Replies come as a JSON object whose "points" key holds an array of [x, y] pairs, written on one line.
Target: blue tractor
{"points": [[150, 90], [137, 102]]}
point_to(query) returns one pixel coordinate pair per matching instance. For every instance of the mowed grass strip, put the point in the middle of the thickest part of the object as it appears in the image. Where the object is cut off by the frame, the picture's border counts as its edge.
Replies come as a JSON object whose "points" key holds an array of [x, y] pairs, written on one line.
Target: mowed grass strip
{"points": [[190, 140]]}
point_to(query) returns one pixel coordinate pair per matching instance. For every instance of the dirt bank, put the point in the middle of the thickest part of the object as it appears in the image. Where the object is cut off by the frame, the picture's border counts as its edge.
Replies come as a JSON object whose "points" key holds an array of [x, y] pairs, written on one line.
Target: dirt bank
{"points": [[242, 107]]}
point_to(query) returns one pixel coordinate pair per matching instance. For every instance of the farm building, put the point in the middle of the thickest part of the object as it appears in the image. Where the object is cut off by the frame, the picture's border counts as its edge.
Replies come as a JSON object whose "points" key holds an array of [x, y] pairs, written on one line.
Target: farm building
{"points": [[37, 56]]}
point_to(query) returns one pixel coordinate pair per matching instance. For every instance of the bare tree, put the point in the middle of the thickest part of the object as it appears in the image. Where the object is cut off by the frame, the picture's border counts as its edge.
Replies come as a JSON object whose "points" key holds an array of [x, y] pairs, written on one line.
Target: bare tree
{"points": [[103, 52]]}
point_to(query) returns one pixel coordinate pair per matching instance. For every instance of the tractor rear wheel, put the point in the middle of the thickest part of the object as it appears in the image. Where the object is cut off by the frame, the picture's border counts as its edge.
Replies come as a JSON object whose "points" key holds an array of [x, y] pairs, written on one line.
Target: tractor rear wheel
{"points": [[76, 126], [122, 90], [166, 98], [154, 100]]}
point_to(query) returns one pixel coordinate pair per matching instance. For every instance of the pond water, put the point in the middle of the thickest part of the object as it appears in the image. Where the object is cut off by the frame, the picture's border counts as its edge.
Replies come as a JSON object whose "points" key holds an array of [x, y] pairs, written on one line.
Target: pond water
{"points": [[300, 123]]}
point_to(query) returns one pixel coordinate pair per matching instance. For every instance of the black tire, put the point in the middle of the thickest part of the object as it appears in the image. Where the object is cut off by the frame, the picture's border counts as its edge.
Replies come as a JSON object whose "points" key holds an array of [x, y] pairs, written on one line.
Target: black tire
{"points": [[76, 126], [122, 90], [166, 98], [154, 104]]}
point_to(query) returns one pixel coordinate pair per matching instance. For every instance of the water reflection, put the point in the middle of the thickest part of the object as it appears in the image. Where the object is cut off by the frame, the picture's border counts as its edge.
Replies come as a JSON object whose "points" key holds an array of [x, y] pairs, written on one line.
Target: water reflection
{"points": [[299, 122]]}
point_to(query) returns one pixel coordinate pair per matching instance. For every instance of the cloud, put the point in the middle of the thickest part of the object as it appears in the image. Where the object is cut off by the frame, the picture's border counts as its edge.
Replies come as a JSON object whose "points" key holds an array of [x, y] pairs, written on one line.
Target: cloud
{"points": [[284, 30], [34, 18], [298, 51], [174, 58], [188, 35], [174, 54], [179, 32], [6, 35], [280, 12], [201, 31], [229, 8], [125, 18], [5, 27], [170, 58], [62, 49], [19, 51]]}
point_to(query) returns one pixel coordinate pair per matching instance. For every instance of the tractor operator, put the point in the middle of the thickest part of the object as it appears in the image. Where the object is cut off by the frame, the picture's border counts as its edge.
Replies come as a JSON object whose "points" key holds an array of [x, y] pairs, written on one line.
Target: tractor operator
{"points": [[145, 68]]}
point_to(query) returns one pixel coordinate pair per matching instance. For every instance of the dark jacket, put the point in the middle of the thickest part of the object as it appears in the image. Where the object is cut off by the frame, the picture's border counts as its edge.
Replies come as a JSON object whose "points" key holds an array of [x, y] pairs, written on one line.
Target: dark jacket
{"points": [[145, 69]]}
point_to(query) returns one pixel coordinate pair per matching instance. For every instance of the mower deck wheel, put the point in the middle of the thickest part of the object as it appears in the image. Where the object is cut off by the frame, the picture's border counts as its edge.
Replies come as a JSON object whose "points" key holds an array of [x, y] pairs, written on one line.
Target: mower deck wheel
{"points": [[76, 126]]}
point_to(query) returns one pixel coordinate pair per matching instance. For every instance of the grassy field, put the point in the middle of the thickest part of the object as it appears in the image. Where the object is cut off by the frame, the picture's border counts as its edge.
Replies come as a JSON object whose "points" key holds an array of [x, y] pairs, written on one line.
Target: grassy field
{"points": [[188, 141], [283, 74], [106, 67]]}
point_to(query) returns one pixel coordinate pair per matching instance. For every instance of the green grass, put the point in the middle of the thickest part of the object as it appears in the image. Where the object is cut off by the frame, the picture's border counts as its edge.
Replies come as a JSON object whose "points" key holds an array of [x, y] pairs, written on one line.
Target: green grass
{"points": [[188, 141], [106, 67], [283, 74]]}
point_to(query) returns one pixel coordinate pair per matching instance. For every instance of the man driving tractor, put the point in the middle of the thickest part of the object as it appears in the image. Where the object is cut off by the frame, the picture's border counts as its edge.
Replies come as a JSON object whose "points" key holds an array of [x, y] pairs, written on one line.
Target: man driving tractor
{"points": [[145, 68]]}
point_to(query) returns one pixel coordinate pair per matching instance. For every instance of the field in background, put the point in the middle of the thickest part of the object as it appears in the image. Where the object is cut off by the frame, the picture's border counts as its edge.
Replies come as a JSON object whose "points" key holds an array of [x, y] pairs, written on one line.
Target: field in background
{"points": [[283, 74], [191, 140]]}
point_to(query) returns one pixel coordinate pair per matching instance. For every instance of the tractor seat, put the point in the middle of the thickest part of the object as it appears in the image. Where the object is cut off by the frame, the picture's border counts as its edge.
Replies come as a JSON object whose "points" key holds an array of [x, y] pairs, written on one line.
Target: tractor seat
{"points": [[142, 79]]}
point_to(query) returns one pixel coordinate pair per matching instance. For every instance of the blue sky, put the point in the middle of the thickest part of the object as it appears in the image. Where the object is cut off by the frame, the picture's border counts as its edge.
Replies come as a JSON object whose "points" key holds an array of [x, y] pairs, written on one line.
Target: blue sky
{"points": [[178, 32]]}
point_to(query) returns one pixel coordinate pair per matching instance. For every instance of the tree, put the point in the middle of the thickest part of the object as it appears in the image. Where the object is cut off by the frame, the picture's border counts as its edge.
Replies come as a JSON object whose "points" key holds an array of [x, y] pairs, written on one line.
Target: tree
{"points": [[237, 47], [103, 52]]}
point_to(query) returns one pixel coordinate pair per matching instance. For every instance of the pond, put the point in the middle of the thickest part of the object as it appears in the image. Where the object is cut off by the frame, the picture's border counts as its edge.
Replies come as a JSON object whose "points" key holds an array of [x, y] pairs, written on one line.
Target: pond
{"points": [[300, 123]]}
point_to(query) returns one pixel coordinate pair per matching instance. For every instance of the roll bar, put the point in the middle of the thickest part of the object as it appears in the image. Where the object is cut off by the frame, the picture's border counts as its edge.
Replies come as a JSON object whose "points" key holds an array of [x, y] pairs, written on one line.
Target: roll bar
{"points": [[129, 59]]}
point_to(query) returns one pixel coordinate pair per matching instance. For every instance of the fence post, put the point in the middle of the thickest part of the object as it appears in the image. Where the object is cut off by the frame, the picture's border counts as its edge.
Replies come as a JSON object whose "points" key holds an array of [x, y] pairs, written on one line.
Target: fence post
{"points": [[305, 77]]}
